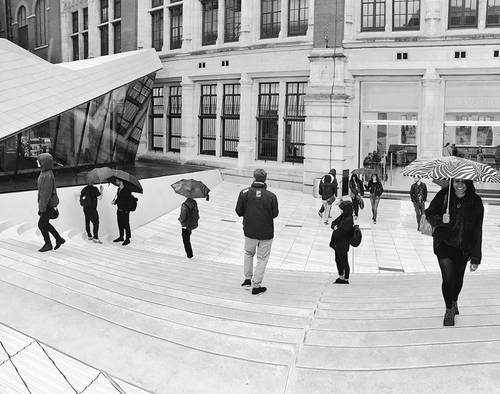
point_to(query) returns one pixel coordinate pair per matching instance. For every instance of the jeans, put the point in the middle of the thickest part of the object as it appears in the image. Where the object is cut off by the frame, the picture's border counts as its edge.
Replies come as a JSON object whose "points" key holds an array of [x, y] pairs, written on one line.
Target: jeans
{"points": [[326, 210], [452, 267], [123, 223], [91, 216], [186, 240], [342, 264], [263, 249], [419, 211], [355, 205], [374, 200], [45, 226]]}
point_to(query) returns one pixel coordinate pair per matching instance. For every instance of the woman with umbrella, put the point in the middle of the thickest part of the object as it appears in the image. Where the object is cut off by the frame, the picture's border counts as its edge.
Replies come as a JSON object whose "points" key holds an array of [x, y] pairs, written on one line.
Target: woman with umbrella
{"points": [[122, 202]]}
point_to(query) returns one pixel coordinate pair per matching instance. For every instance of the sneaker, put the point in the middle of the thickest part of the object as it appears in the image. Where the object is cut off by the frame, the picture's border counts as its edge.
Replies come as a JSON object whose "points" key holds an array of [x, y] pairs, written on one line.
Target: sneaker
{"points": [[449, 318], [119, 239], [45, 248], [342, 281], [90, 238], [258, 290], [454, 308], [126, 242], [247, 283], [59, 242], [97, 240]]}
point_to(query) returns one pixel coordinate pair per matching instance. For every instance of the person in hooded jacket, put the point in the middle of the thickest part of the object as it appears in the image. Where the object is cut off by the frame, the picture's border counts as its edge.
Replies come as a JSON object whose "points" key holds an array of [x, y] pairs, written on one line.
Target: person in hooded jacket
{"points": [[122, 202], [457, 238], [189, 221], [418, 195], [375, 189], [258, 207], [328, 192], [343, 228], [357, 192], [47, 202]]}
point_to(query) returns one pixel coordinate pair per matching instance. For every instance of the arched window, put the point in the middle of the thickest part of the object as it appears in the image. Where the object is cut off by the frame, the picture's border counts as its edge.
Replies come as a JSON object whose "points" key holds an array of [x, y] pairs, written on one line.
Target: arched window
{"points": [[40, 25], [21, 16]]}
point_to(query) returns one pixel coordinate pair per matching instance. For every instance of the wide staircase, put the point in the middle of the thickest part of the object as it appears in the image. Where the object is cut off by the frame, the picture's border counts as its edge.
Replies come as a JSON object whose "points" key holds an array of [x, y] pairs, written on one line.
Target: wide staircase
{"points": [[172, 325]]}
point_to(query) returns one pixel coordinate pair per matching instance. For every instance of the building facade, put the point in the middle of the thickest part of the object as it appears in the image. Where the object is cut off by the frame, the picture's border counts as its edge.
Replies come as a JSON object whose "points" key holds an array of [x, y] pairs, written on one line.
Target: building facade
{"points": [[422, 74], [33, 25]]}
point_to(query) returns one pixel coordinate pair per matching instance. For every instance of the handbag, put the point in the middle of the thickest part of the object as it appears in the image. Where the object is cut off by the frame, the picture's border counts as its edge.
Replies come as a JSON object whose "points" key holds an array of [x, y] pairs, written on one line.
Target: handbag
{"points": [[54, 214], [425, 227], [361, 202]]}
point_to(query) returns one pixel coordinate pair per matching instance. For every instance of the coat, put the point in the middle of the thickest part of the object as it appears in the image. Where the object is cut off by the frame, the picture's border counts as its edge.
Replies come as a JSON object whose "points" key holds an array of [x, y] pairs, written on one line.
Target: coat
{"points": [[189, 214], [417, 189], [46, 183], [122, 199], [342, 233], [328, 187], [356, 187], [258, 207], [375, 188]]}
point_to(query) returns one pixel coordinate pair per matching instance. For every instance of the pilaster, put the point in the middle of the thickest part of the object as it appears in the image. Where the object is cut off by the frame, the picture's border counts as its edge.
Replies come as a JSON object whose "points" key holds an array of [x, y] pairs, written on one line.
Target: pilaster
{"points": [[94, 40], [246, 20], [284, 19], [188, 18], [188, 144], [220, 22], [246, 152], [430, 134], [432, 17]]}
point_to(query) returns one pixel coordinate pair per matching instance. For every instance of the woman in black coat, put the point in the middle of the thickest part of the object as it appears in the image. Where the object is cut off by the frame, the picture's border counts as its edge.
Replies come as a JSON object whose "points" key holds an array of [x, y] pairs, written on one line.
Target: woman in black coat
{"points": [[122, 202], [457, 238], [357, 192], [376, 189], [343, 227]]}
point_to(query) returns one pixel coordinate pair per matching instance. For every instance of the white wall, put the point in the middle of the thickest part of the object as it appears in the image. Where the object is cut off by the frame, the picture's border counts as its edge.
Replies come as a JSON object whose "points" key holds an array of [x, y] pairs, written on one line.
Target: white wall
{"points": [[158, 199]]}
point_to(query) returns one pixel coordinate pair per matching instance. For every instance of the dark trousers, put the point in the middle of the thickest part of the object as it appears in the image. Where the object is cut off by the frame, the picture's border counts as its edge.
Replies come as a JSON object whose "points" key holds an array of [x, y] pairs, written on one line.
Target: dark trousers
{"points": [[91, 216], [452, 263], [123, 223], [355, 205], [419, 211], [46, 228], [342, 264], [186, 240]]}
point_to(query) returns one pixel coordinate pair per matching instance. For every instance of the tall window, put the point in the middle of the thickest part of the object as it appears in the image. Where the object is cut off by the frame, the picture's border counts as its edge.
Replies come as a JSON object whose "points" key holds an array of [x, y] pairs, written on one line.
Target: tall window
{"points": [[493, 13], [104, 11], [104, 33], [117, 37], [40, 23], [157, 120], [86, 18], [406, 15], [297, 17], [174, 119], [117, 12], [85, 33], [208, 115], [74, 36], [232, 22], [462, 13], [156, 3], [23, 27], [295, 116], [270, 18], [209, 22], [157, 29], [176, 27], [268, 121], [230, 120], [372, 15]]}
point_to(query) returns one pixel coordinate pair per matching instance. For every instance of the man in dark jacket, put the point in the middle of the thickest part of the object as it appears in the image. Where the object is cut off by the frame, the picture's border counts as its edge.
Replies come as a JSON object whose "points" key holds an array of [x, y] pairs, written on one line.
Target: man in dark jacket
{"points": [[258, 207], [328, 191], [189, 221], [418, 195], [88, 200], [343, 227], [47, 202]]}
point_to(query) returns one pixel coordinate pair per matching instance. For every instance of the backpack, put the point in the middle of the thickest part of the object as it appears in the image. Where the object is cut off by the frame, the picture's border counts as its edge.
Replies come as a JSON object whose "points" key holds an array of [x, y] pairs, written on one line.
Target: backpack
{"points": [[193, 217], [132, 203], [85, 198], [356, 237]]}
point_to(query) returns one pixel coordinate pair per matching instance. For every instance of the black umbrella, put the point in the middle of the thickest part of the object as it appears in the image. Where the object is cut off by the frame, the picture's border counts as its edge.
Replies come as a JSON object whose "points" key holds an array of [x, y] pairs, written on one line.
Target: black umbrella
{"points": [[191, 188], [99, 175], [130, 181]]}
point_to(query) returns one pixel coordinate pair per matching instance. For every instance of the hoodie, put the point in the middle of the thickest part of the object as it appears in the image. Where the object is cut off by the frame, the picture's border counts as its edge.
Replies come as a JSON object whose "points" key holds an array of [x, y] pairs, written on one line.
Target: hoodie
{"points": [[189, 214], [47, 194], [343, 227], [328, 186]]}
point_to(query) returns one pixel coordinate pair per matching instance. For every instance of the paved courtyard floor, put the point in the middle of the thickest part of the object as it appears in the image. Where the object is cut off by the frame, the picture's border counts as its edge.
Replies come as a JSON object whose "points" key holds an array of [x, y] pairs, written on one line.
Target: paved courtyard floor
{"points": [[301, 239]]}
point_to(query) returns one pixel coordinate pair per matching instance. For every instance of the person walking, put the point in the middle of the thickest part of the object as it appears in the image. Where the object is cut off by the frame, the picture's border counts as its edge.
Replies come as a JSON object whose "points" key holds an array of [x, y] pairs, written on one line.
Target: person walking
{"points": [[357, 193], [88, 200], [328, 191], [343, 228], [189, 221], [457, 238], [376, 189], [47, 202], [258, 207], [122, 202], [418, 196]]}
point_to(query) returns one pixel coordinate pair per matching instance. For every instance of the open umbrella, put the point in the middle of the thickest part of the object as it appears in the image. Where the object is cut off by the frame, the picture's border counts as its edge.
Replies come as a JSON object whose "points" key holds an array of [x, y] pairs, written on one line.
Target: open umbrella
{"points": [[130, 181], [452, 167], [191, 188], [366, 172], [99, 175]]}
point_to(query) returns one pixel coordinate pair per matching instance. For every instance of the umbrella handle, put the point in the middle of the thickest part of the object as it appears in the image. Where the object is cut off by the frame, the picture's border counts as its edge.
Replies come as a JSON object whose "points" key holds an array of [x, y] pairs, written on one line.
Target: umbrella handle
{"points": [[449, 194]]}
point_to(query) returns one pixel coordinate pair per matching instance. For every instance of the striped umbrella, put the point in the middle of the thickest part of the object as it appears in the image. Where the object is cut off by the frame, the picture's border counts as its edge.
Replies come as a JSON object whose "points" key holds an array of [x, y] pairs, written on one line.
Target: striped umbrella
{"points": [[452, 167]]}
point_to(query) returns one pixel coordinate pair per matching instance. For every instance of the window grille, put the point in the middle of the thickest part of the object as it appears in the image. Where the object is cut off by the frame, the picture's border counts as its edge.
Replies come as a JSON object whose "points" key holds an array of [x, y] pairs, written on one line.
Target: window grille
{"points": [[209, 22], [268, 121], [104, 32], [176, 27], [157, 29], [156, 120], [40, 23], [270, 18], [175, 118], [232, 22], [295, 117], [208, 116], [230, 120], [462, 13], [406, 14], [297, 17], [493, 13], [372, 15]]}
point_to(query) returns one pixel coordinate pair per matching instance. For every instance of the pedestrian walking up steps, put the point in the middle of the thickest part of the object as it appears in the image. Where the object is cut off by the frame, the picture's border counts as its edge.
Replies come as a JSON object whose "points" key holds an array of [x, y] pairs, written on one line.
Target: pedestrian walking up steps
{"points": [[172, 325]]}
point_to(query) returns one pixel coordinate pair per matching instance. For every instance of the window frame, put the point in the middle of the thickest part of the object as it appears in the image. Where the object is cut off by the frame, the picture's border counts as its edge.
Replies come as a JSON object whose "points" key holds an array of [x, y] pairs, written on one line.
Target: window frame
{"points": [[117, 38], [104, 5], [210, 114], [40, 24], [117, 5], [209, 37], [102, 29], [298, 115], [157, 42], [302, 30], [231, 109], [394, 28], [174, 91], [374, 15], [22, 18], [487, 14], [232, 21], [176, 13], [74, 27], [275, 29], [462, 16], [271, 89]]}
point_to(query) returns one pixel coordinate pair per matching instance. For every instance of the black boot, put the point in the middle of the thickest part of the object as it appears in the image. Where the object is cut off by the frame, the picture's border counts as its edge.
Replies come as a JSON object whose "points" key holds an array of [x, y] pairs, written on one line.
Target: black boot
{"points": [[119, 239], [59, 242], [454, 308], [46, 247], [449, 318]]}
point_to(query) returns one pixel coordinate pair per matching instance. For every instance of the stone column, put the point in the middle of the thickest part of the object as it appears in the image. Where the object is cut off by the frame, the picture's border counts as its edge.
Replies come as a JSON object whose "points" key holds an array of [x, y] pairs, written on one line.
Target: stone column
{"points": [[246, 146], [94, 37], [218, 120], [111, 30], [310, 20], [246, 21], [166, 30], [284, 19], [220, 22], [281, 123], [188, 144], [430, 132], [143, 24], [188, 19], [432, 17]]}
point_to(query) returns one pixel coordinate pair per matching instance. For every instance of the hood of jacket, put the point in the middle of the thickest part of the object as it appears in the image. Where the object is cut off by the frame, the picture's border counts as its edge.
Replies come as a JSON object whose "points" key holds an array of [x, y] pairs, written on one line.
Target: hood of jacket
{"points": [[346, 207], [333, 172], [191, 203], [46, 161]]}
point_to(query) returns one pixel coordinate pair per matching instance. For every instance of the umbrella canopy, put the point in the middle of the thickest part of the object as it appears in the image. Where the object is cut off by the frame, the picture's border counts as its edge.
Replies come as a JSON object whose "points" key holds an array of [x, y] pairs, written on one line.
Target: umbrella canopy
{"points": [[366, 172], [452, 167], [130, 181], [99, 175], [191, 188]]}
